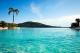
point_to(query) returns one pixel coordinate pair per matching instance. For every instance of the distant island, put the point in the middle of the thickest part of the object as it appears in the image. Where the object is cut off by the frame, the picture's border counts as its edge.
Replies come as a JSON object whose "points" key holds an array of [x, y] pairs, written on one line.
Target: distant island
{"points": [[35, 24], [29, 24]]}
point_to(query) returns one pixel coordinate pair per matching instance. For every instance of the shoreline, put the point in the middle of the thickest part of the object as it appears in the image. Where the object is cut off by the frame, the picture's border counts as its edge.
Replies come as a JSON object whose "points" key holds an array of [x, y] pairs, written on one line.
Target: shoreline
{"points": [[32, 27], [5, 28]]}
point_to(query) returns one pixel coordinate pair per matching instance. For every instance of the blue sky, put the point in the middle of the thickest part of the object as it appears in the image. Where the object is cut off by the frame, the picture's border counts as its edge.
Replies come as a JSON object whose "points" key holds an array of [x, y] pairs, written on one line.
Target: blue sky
{"points": [[51, 12]]}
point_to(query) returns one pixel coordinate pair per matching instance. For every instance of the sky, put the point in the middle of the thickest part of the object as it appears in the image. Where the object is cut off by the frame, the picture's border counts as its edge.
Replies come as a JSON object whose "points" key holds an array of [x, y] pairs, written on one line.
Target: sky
{"points": [[50, 12]]}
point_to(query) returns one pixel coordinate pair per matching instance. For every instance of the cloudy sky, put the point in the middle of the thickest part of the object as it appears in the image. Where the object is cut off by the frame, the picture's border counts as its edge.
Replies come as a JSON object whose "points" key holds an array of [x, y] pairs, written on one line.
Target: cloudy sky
{"points": [[51, 12]]}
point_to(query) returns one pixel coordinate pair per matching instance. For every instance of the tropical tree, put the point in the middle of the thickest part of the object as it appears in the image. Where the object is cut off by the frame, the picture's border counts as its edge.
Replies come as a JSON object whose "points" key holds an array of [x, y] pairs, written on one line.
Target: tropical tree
{"points": [[3, 24], [73, 25], [78, 20], [13, 11]]}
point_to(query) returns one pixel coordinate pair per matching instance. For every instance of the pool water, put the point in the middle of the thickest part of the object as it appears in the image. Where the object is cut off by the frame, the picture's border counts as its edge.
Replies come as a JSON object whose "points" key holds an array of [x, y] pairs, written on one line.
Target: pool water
{"points": [[40, 40]]}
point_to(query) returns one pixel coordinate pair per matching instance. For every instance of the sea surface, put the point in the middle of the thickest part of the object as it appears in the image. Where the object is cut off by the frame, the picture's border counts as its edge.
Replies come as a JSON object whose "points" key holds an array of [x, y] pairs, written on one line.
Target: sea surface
{"points": [[40, 40]]}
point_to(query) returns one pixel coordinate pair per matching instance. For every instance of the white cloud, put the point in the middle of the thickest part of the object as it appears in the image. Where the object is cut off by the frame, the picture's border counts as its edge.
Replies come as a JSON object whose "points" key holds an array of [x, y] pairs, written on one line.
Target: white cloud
{"points": [[36, 10], [61, 21]]}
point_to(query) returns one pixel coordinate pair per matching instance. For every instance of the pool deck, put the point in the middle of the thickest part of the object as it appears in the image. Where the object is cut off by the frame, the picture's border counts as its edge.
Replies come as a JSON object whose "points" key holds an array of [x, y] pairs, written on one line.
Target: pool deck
{"points": [[1, 28]]}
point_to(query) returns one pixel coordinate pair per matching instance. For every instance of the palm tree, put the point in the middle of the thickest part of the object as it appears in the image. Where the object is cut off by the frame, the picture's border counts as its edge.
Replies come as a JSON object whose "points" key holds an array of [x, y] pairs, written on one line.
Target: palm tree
{"points": [[13, 11], [78, 20]]}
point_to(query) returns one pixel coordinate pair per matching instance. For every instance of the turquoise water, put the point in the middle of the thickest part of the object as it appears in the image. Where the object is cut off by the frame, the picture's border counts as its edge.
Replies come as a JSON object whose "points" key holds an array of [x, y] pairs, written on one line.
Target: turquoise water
{"points": [[40, 40]]}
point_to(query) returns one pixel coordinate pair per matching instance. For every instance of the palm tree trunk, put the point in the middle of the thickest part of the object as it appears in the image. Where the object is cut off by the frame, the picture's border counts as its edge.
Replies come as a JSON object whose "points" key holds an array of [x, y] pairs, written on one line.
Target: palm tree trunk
{"points": [[78, 24], [13, 17]]}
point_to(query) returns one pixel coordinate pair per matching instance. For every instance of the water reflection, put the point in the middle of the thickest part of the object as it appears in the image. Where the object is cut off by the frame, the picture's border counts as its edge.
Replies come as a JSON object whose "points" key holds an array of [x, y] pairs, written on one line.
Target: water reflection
{"points": [[76, 32]]}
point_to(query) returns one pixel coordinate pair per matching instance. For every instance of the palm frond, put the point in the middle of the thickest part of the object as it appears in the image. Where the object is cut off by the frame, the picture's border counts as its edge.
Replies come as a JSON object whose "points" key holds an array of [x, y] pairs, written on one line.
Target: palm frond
{"points": [[10, 10], [16, 11]]}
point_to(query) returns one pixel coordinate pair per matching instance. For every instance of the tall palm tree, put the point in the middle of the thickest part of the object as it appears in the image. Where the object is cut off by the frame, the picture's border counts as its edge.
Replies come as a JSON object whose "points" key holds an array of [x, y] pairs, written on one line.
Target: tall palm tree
{"points": [[13, 11]]}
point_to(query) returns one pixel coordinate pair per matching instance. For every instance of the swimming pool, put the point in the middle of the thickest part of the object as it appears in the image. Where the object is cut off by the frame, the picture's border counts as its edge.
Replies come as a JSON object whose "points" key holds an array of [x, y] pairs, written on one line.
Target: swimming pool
{"points": [[40, 40]]}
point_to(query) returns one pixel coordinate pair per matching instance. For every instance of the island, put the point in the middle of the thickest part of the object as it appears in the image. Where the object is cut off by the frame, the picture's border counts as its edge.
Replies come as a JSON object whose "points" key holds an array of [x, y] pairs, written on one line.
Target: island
{"points": [[35, 24], [29, 24]]}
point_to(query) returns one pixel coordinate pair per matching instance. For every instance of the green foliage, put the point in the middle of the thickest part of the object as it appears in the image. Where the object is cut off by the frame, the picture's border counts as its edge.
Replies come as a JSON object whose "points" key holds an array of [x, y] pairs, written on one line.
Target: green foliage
{"points": [[13, 10], [76, 24], [3, 24], [12, 25]]}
